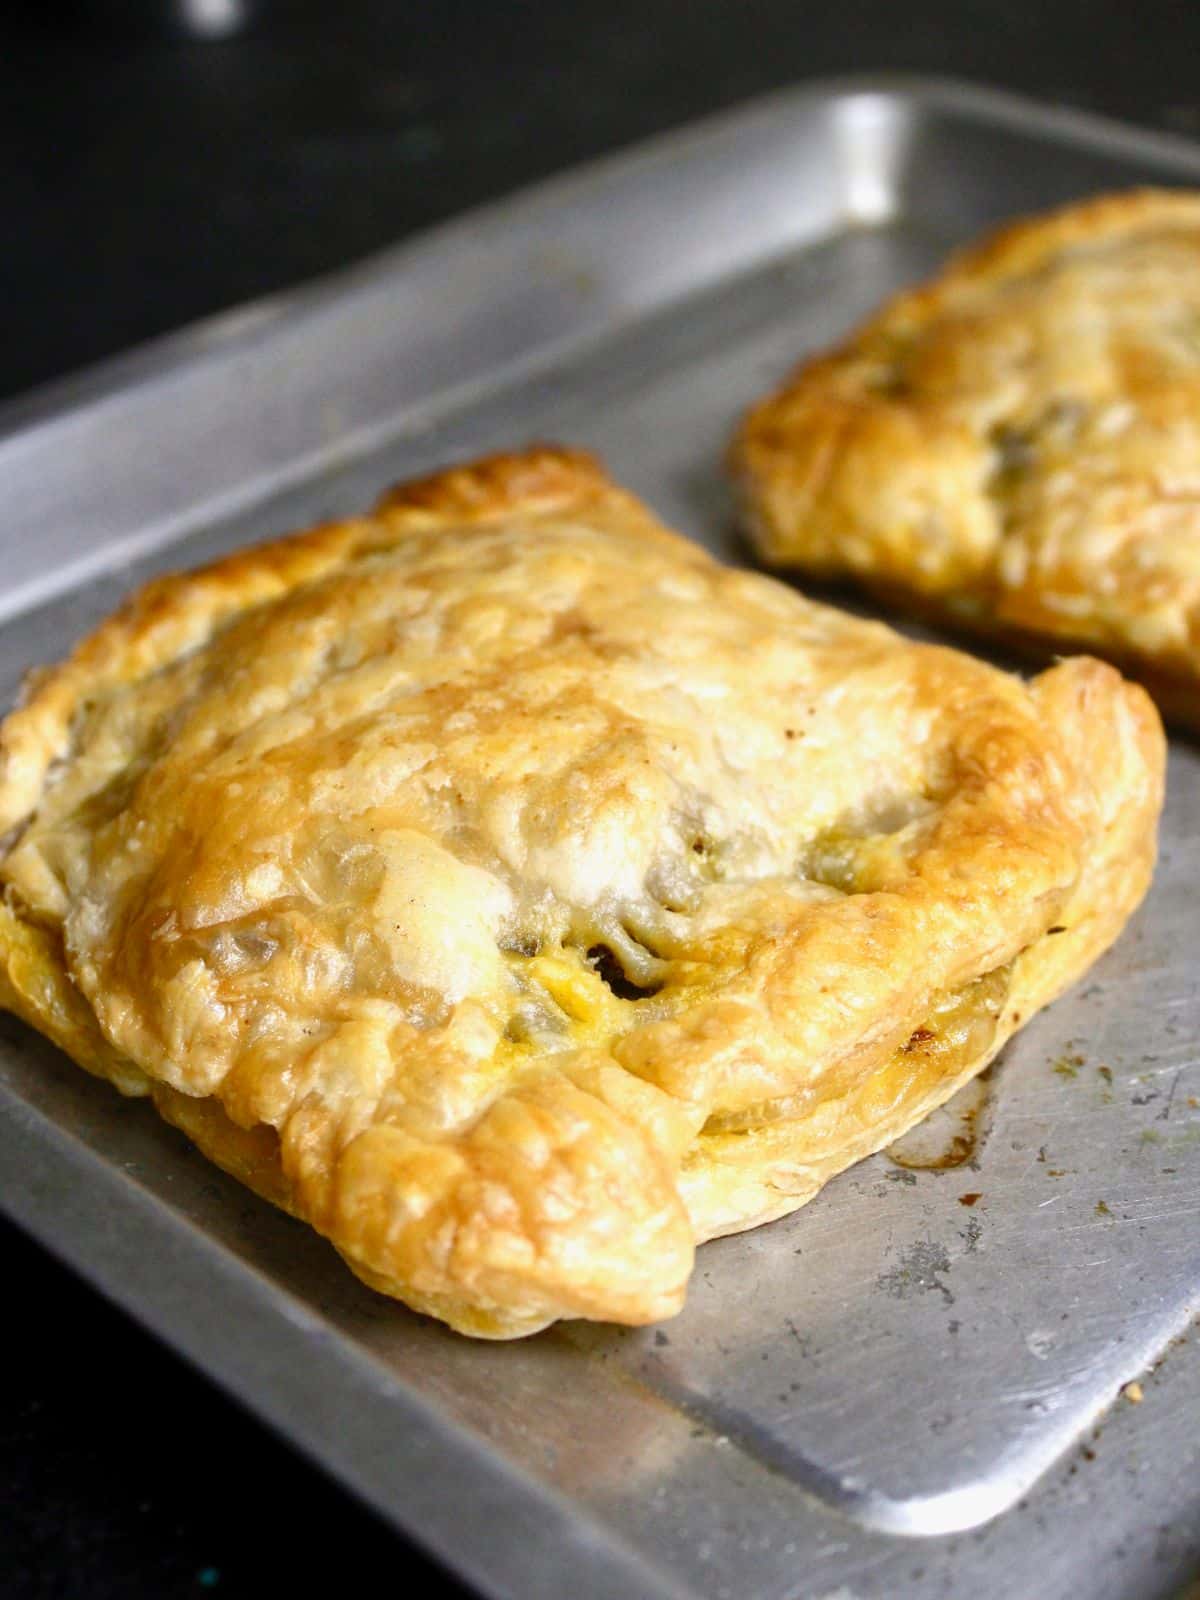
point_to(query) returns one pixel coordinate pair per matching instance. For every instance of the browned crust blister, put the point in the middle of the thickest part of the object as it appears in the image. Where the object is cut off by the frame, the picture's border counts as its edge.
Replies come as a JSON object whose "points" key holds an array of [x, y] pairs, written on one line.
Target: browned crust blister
{"points": [[1013, 447], [520, 897], [175, 613]]}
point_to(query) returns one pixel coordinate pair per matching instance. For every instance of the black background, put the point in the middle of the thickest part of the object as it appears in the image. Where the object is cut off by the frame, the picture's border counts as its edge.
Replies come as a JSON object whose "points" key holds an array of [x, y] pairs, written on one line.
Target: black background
{"points": [[148, 179]]}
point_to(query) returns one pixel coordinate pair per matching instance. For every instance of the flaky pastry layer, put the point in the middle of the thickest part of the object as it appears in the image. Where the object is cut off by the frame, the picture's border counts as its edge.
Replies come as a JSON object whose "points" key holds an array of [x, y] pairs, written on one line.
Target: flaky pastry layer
{"points": [[1014, 446], [520, 896]]}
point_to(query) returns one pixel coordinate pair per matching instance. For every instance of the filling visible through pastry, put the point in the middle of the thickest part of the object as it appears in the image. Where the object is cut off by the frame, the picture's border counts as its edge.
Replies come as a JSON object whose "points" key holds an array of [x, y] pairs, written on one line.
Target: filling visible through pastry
{"points": [[1014, 446], [520, 896]]}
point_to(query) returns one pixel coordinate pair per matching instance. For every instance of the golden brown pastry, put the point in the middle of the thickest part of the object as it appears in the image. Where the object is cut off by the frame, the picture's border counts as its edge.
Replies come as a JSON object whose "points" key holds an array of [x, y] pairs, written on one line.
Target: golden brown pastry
{"points": [[520, 896], [1016, 445]]}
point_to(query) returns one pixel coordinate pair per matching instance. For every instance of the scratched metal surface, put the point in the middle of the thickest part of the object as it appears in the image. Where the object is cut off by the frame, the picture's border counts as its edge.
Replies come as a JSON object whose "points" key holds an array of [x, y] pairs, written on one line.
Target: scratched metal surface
{"points": [[898, 1389]]}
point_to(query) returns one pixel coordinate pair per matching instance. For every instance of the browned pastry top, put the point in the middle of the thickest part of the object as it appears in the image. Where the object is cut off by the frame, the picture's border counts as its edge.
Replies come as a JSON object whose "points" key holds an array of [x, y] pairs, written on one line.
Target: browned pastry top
{"points": [[1017, 443], [519, 895]]}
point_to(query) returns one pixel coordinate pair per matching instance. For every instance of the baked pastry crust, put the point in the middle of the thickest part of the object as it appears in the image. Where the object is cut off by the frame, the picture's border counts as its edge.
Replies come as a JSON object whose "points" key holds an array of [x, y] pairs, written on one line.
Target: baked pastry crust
{"points": [[520, 896], [1014, 446]]}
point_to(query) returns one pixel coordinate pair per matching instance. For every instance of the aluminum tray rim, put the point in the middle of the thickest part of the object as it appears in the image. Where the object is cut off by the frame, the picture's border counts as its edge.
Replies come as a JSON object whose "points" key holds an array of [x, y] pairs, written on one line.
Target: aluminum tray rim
{"points": [[239, 327]]}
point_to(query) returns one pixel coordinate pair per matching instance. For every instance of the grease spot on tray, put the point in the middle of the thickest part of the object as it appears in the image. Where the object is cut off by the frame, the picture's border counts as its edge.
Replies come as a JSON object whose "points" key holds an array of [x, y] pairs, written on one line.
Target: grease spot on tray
{"points": [[950, 1136]]}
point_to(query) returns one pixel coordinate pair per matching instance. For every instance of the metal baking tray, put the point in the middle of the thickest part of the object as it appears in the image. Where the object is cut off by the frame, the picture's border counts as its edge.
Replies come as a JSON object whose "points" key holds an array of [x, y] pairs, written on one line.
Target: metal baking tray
{"points": [[898, 1390]]}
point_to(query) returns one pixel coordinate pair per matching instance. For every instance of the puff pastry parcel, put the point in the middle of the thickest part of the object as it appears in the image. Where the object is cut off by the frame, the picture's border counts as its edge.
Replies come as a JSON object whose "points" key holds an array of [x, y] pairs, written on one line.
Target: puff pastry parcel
{"points": [[520, 896], [1016, 445]]}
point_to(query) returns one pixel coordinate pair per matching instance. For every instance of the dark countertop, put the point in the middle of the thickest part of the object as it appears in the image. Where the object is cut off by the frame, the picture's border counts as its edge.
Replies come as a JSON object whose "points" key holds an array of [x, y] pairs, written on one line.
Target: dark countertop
{"points": [[151, 179]]}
